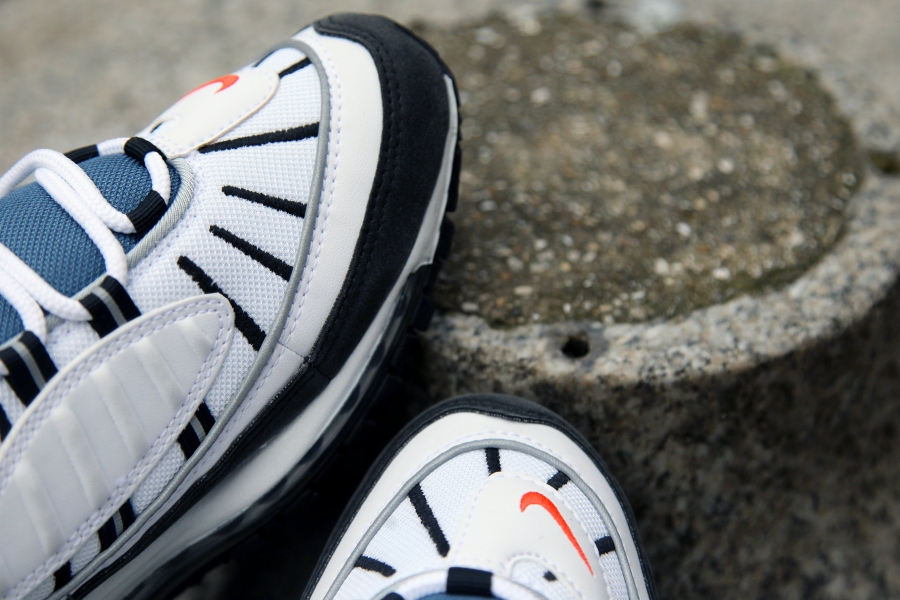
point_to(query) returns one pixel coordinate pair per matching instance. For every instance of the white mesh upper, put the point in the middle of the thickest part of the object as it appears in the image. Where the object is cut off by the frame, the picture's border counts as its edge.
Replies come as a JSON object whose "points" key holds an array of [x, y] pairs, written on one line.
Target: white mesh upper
{"points": [[615, 579], [532, 575], [44, 589], [11, 404], [85, 554], [284, 170], [255, 223], [290, 105], [464, 474], [282, 59], [262, 168], [404, 544], [68, 340], [157, 480], [590, 518]]}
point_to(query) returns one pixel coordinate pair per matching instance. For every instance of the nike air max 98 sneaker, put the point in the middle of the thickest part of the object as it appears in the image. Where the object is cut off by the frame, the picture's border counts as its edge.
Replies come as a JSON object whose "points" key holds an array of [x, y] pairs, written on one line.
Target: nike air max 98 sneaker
{"points": [[191, 319], [486, 496]]}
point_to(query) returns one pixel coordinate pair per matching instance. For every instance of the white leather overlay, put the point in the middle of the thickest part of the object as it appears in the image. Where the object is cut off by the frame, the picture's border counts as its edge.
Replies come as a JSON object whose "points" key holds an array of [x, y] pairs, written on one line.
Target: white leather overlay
{"points": [[211, 110], [354, 145], [454, 431], [513, 519], [98, 428]]}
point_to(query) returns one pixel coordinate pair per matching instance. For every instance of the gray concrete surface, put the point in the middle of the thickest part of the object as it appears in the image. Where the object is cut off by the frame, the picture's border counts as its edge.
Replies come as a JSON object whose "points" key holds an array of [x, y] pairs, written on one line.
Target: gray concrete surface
{"points": [[77, 72], [859, 35], [731, 426], [719, 522]]}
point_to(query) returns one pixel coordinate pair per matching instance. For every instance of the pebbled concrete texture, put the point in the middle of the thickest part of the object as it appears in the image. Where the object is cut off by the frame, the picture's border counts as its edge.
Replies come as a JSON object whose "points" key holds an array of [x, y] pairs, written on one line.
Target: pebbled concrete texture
{"points": [[757, 439], [74, 73], [613, 178]]}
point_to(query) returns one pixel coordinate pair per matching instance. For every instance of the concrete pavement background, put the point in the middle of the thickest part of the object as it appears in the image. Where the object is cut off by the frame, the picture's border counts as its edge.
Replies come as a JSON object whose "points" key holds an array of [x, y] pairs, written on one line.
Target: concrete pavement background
{"points": [[78, 73]]}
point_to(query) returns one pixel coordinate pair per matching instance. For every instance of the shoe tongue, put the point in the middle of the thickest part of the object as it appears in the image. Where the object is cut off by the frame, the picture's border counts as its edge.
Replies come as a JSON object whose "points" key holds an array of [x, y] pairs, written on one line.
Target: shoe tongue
{"points": [[41, 232]]}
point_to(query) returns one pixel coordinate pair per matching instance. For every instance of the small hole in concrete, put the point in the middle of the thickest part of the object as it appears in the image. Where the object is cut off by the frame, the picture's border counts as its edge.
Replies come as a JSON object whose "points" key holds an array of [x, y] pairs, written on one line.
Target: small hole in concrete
{"points": [[576, 346], [886, 162]]}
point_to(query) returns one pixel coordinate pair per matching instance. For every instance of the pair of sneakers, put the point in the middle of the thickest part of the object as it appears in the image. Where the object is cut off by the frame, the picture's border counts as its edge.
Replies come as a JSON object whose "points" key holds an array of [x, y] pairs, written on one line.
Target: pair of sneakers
{"points": [[194, 319]]}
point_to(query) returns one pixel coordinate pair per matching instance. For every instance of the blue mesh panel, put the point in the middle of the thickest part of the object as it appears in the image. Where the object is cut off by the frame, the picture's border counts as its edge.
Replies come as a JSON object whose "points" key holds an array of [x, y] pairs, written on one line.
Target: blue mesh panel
{"points": [[42, 234]]}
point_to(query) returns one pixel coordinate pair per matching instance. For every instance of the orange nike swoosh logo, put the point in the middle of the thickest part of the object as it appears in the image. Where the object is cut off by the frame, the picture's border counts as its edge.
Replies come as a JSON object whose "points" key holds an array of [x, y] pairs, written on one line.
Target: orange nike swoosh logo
{"points": [[226, 80], [536, 498]]}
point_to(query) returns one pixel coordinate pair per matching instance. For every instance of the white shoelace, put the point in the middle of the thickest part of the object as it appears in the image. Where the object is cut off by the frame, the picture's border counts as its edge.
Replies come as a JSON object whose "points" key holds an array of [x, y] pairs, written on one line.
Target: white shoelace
{"points": [[77, 194]]}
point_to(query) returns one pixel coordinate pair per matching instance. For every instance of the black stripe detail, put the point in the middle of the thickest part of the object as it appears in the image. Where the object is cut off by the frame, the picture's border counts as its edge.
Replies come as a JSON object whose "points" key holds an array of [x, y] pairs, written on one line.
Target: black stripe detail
{"points": [[188, 441], [558, 480], [393, 596], [147, 213], [605, 545], [126, 511], [121, 297], [79, 155], [298, 209], [205, 417], [102, 319], [429, 521], [274, 137], [272, 263], [493, 460], [39, 354], [367, 563], [62, 576], [469, 582], [549, 576], [5, 425], [107, 534], [19, 377], [137, 148], [244, 322], [295, 67]]}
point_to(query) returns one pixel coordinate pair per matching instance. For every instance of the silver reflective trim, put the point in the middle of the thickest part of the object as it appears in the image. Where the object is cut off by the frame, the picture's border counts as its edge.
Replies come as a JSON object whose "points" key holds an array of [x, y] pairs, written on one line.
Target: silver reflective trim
{"points": [[198, 428]]}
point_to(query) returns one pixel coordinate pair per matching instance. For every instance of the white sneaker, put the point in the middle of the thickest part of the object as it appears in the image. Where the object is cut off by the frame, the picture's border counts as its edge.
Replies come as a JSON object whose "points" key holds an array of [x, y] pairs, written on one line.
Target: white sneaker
{"points": [[486, 496], [192, 319]]}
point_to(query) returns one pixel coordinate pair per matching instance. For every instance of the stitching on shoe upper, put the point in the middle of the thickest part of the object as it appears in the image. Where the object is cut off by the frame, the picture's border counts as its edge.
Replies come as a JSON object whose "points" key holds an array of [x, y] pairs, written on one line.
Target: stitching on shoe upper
{"points": [[557, 569], [161, 444], [172, 147], [179, 229], [414, 473], [468, 522], [384, 186], [296, 311], [331, 181]]}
